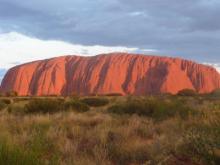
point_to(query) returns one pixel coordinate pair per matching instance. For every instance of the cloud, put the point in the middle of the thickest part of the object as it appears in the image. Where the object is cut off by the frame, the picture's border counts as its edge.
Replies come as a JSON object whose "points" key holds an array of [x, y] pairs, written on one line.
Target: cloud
{"points": [[137, 13], [17, 48], [215, 65], [188, 29]]}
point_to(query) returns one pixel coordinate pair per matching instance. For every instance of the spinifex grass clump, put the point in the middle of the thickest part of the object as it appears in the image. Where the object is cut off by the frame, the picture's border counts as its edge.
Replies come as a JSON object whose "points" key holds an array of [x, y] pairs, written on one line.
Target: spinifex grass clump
{"points": [[4, 102], [2, 105]]}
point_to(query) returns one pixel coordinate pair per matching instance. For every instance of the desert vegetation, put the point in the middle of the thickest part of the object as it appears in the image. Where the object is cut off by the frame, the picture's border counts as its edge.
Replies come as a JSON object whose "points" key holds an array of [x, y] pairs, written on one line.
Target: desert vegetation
{"points": [[111, 130]]}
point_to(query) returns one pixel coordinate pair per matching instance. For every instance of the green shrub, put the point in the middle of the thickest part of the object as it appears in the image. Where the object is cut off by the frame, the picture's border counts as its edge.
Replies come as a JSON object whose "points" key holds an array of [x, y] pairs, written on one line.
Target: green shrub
{"points": [[187, 92], [95, 102], [6, 101], [76, 105], [173, 108], [154, 108], [133, 107], [2, 105], [44, 106], [16, 109]]}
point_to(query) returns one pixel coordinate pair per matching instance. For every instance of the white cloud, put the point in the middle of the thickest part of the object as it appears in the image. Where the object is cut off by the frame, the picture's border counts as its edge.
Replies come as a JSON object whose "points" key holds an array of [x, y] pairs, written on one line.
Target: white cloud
{"points": [[17, 48], [215, 65], [137, 13]]}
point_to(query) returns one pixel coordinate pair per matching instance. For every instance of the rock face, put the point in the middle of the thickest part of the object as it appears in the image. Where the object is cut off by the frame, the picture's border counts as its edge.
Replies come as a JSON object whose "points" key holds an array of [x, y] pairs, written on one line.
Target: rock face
{"points": [[110, 73]]}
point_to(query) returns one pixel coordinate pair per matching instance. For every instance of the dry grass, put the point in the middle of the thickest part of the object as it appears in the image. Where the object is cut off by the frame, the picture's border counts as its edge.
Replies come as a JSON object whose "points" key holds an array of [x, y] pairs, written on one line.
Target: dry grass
{"points": [[98, 137]]}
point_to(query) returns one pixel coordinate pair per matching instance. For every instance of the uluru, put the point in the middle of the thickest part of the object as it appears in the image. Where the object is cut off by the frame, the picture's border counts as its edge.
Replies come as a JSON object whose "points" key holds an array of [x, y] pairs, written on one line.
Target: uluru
{"points": [[110, 73]]}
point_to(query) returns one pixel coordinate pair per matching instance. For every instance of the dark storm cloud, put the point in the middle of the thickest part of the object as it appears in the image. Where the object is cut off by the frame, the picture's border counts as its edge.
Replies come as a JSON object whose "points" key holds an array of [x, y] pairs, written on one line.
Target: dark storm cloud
{"points": [[187, 28]]}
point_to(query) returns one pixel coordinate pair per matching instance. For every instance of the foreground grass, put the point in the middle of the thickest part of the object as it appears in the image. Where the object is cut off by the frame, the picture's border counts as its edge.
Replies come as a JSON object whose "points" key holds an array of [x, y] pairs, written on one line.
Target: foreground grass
{"points": [[108, 135]]}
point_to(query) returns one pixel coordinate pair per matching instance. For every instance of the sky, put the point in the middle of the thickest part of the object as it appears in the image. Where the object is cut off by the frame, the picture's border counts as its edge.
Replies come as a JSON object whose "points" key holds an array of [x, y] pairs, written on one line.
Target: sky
{"points": [[38, 29]]}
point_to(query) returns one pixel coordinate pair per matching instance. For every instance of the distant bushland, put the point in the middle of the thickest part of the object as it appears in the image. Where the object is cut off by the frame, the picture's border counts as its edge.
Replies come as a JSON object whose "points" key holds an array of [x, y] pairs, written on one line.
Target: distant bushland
{"points": [[154, 108], [95, 101], [113, 94], [11, 94], [76, 105], [215, 93], [187, 92], [160, 129]]}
